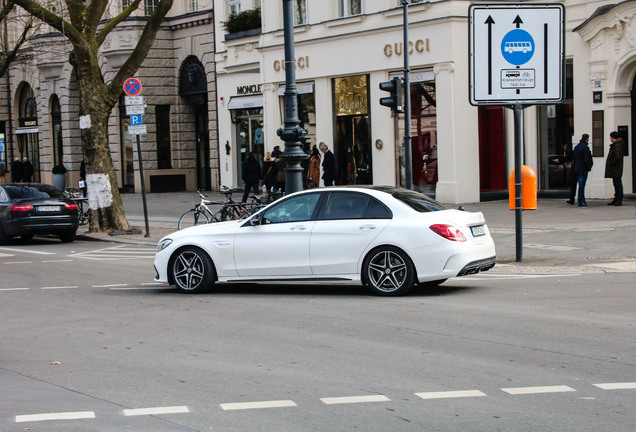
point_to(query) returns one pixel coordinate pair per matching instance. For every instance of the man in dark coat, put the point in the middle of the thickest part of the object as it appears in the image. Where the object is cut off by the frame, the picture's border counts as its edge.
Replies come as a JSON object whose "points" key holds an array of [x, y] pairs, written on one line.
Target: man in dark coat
{"points": [[582, 158], [16, 170], [251, 175], [27, 171], [614, 167], [328, 165]]}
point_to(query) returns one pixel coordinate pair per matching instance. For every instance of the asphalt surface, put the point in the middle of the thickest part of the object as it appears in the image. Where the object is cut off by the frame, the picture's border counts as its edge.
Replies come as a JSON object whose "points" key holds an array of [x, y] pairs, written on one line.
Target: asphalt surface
{"points": [[557, 237]]}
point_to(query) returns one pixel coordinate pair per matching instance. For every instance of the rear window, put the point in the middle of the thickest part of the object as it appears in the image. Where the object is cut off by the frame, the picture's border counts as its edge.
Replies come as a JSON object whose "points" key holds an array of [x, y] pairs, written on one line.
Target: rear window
{"points": [[33, 192], [417, 200]]}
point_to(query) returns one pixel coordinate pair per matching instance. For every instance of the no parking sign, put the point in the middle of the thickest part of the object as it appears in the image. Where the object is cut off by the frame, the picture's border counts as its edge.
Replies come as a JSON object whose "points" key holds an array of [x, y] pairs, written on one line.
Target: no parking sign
{"points": [[132, 87]]}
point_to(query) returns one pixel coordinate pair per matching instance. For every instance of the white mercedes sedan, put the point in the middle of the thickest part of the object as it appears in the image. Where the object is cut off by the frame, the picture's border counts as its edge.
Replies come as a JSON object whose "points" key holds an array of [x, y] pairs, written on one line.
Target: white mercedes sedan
{"points": [[387, 238]]}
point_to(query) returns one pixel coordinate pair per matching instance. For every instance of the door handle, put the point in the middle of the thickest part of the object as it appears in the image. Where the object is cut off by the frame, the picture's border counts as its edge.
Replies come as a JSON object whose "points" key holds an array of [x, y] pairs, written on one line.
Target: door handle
{"points": [[298, 228], [367, 227]]}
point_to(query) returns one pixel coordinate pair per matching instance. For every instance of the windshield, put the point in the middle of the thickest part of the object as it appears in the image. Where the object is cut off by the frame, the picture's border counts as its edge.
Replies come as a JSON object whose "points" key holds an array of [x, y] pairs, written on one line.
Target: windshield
{"points": [[33, 192], [416, 200]]}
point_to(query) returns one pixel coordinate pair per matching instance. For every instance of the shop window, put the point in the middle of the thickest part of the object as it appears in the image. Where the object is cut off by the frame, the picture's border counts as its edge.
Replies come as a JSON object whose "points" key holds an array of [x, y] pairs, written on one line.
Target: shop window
{"points": [[56, 131], [555, 135], [306, 104], [164, 154], [349, 7]]}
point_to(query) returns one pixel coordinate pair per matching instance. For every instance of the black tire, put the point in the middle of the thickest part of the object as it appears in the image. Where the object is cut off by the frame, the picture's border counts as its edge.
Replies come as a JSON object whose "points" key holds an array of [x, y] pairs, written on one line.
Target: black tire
{"points": [[68, 237], [192, 270], [388, 271], [192, 218]]}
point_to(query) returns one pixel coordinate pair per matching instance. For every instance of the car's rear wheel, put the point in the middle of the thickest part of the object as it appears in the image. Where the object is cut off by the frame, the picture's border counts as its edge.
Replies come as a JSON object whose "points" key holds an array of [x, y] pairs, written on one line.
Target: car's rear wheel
{"points": [[68, 237], [192, 270], [388, 270]]}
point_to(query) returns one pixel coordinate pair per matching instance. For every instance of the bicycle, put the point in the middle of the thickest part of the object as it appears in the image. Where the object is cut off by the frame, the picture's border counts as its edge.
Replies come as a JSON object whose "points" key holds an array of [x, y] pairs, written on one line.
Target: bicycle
{"points": [[200, 214], [83, 211]]}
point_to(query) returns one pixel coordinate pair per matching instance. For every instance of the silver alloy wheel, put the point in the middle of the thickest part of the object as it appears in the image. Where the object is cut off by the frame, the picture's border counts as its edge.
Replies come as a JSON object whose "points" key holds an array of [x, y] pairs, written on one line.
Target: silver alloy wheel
{"points": [[188, 270], [388, 271]]}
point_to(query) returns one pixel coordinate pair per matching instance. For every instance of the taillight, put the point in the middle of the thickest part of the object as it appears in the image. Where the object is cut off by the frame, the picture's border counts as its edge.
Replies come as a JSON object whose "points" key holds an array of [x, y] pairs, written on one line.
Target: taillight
{"points": [[71, 206], [449, 232], [21, 207]]}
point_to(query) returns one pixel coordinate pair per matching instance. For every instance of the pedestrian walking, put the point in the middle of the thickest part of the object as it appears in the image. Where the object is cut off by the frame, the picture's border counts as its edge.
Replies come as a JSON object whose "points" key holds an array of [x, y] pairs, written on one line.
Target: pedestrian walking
{"points": [[16, 170], [328, 165], [27, 170], [614, 167], [251, 175], [582, 159], [270, 173], [3, 173], [313, 171]]}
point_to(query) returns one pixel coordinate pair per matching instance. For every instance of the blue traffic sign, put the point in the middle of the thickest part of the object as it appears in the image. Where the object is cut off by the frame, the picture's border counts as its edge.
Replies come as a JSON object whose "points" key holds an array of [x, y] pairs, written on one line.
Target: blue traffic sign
{"points": [[517, 47], [132, 87], [135, 120]]}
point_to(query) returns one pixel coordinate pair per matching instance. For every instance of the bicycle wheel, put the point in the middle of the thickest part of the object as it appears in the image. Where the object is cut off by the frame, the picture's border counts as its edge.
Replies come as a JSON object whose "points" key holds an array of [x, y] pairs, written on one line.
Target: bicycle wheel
{"points": [[192, 218]]}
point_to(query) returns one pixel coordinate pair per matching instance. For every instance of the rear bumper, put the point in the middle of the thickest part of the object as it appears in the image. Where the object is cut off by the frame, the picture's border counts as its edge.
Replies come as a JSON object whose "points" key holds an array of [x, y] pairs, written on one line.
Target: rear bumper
{"points": [[40, 226], [477, 266]]}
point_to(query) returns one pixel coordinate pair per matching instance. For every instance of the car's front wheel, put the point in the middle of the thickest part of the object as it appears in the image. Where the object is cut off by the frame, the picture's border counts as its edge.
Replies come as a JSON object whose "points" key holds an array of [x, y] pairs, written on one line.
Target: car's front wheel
{"points": [[388, 271], [192, 270]]}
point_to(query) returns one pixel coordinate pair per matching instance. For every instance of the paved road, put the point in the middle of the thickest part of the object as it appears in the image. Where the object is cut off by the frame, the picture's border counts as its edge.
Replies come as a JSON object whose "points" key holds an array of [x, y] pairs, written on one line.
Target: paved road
{"points": [[87, 336]]}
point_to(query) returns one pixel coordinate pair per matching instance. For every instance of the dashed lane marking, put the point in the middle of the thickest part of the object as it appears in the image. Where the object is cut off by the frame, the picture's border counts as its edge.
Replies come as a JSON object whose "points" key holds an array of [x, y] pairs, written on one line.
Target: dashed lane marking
{"points": [[354, 399], [27, 251], [451, 394], [617, 386], [109, 286], [538, 390], [13, 289], [258, 405], [18, 262], [156, 411], [55, 416], [60, 287], [57, 261]]}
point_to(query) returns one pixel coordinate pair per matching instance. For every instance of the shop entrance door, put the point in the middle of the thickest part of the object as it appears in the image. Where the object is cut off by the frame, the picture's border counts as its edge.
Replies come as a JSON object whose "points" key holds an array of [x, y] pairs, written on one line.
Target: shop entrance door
{"points": [[204, 180], [353, 150], [29, 148], [249, 137]]}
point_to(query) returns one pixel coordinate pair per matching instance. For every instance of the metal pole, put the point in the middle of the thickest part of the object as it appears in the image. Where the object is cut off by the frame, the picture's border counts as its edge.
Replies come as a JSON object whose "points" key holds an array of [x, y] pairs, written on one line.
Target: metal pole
{"points": [[292, 133], [143, 185], [408, 168], [518, 197]]}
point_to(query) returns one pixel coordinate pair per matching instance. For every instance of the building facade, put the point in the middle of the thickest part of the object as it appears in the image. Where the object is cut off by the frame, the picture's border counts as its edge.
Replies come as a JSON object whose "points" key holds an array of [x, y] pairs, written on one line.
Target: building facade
{"points": [[39, 116], [460, 153]]}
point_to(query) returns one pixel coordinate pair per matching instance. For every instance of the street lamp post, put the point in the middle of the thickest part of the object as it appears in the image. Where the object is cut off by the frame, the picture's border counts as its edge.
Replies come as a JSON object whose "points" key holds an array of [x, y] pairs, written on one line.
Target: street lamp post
{"points": [[292, 133]]}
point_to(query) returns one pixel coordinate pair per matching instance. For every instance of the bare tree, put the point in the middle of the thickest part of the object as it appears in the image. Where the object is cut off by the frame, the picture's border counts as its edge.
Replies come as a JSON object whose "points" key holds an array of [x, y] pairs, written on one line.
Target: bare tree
{"points": [[83, 25], [9, 48]]}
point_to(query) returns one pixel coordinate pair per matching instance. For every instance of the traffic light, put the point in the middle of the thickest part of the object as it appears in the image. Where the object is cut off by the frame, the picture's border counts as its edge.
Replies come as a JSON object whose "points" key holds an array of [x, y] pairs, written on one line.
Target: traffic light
{"points": [[395, 100]]}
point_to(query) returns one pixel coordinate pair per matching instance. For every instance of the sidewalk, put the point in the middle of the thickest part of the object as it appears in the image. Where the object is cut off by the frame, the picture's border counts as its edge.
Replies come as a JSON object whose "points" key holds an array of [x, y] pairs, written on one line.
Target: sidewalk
{"points": [[557, 237]]}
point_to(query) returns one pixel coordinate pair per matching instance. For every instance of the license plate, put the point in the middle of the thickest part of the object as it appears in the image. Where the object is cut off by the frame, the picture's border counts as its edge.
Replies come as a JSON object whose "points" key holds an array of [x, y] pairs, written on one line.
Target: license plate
{"points": [[478, 230], [48, 208]]}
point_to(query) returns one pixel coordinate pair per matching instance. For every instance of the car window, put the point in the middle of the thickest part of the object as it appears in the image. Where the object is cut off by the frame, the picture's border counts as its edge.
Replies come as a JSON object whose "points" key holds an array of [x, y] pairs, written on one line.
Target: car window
{"points": [[3, 196], [417, 201], [352, 205], [296, 209], [33, 192]]}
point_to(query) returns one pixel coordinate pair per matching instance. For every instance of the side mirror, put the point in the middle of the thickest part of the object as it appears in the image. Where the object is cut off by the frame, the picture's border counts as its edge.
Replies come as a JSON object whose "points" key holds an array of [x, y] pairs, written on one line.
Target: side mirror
{"points": [[255, 220]]}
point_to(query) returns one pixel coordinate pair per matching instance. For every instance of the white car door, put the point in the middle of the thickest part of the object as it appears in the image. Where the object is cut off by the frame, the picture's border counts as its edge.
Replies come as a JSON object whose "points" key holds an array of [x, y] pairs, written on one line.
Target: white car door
{"points": [[345, 228], [279, 246]]}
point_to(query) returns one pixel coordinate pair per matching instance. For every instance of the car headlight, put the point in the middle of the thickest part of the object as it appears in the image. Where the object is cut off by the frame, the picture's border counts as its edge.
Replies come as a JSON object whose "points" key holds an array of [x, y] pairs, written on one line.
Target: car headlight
{"points": [[164, 243]]}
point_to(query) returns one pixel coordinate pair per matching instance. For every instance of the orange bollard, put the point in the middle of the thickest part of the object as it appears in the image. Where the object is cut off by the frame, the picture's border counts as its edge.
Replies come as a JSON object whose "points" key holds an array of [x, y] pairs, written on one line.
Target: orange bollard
{"points": [[528, 189]]}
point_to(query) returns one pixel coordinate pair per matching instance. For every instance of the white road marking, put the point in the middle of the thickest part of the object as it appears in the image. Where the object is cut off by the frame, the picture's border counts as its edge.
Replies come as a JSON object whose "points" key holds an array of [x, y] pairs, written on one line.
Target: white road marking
{"points": [[128, 289], [617, 386], [57, 261], [451, 394], [18, 262], [109, 286], [13, 289], [60, 287], [354, 399], [156, 411], [6, 255], [55, 416], [551, 247], [118, 252], [537, 390], [27, 251], [258, 405]]}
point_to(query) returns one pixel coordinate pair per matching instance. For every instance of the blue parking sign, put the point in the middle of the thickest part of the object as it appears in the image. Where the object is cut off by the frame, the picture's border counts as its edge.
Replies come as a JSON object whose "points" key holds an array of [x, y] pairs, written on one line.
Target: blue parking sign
{"points": [[135, 120]]}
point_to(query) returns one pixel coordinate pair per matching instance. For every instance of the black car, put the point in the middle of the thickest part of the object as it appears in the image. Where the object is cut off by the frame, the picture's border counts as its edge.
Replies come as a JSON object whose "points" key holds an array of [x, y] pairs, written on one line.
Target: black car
{"points": [[27, 209]]}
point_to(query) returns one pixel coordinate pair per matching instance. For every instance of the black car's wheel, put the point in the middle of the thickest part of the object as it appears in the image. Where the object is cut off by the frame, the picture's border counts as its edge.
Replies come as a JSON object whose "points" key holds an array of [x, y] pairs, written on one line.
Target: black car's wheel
{"points": [[68, 237], [192, 270], [387, 270]]}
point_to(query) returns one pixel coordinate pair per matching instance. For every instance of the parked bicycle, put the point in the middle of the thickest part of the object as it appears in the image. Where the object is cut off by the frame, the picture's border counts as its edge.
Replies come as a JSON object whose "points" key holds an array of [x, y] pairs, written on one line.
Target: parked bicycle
{"points": [[83, 211], [200, 214]]}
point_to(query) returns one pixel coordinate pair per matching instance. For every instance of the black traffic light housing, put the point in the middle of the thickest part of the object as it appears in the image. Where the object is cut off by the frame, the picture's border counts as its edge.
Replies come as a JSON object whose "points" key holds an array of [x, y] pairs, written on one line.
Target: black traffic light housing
{"points": [[395, 100]]}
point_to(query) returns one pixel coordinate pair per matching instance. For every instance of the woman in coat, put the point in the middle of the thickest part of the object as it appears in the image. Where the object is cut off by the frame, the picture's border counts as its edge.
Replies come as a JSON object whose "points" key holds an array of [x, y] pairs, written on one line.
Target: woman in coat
{"points": [[313, 172], [251, 176]]}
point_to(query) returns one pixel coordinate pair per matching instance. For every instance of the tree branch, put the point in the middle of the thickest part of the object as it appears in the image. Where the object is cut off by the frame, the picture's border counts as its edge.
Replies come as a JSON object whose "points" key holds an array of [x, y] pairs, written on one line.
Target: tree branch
{"points": [[110, 25], [51, 19], [6, 61]]}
